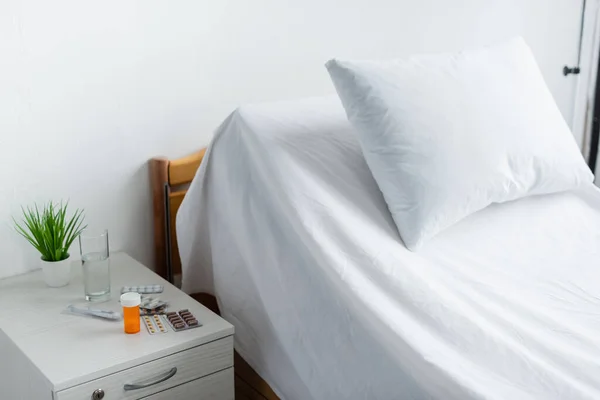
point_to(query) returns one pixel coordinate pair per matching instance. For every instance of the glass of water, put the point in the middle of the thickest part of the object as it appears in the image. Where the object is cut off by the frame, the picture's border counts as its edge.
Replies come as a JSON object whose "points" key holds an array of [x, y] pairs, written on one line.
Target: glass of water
{"points": [[96, 264]]}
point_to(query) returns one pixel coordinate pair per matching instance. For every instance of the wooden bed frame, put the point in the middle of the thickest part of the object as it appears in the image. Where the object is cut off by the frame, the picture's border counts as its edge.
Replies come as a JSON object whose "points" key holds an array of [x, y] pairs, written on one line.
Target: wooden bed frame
{"points": [[169, 180]]}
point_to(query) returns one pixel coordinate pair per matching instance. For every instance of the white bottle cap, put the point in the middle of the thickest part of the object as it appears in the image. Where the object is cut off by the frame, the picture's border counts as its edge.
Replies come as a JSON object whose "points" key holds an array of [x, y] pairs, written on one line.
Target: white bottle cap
{"points": [[131, 299]]}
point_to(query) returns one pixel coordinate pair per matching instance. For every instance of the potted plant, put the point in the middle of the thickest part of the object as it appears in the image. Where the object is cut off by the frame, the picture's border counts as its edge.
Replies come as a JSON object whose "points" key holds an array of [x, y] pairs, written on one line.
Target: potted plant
{"points": [[52, 232]]}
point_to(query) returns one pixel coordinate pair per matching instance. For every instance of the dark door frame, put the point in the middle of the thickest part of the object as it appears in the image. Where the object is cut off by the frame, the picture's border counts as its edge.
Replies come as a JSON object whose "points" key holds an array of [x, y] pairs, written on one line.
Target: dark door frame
{"points": [[593, 156]]}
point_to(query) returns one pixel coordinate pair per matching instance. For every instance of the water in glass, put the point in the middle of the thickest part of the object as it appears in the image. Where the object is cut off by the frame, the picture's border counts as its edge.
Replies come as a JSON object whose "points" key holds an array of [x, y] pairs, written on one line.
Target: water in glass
{"points": [[96, 276], [95, 261]]}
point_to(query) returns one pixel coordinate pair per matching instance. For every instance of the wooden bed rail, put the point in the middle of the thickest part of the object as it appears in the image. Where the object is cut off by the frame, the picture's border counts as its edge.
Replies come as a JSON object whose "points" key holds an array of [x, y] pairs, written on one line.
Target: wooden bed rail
{"points": [[169, 180]]}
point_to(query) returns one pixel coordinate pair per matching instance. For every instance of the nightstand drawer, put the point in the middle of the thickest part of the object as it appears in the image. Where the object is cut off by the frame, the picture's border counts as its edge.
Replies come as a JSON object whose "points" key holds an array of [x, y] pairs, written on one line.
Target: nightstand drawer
{"points": [[158, 375], [218, 386]]}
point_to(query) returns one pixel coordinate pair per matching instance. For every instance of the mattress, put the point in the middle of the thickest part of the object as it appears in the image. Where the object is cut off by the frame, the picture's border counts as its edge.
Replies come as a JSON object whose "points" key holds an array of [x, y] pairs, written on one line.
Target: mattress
{"points": [[286, 226]]}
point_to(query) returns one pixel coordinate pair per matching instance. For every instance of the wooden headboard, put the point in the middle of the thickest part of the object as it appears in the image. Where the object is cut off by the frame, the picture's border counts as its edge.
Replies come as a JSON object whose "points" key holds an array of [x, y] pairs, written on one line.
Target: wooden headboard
{"points": [[169, 180]]}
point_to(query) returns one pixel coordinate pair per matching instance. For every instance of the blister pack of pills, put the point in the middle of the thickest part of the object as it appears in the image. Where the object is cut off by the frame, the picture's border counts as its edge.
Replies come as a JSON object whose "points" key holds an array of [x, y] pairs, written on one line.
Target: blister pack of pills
{"points": [[155, 324], [182, 320], [143, 289], [152, 305]]}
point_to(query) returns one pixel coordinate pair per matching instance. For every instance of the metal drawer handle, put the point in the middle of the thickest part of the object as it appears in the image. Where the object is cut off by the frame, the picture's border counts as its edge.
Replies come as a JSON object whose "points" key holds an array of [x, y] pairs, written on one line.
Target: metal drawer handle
{"points": [[151, 381]]}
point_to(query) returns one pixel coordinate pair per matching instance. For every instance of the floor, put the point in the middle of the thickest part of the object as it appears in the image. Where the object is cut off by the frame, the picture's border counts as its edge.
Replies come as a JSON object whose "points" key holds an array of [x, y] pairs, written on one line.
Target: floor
{"points": [[243, 391], [248, 384]]}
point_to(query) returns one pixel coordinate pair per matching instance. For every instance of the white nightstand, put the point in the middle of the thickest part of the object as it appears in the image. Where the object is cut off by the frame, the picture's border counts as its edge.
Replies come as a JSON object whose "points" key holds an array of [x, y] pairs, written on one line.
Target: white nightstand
{"points": [[48, 355]]}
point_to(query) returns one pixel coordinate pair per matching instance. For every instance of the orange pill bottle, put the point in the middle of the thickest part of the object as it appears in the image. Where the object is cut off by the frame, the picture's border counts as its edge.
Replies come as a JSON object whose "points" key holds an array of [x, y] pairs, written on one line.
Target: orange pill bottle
{"points": [[131, 311]]}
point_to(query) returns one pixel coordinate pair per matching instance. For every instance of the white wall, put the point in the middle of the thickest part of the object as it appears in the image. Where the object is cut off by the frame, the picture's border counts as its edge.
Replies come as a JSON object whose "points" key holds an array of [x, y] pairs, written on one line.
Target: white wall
{"points": [[90, 90]]}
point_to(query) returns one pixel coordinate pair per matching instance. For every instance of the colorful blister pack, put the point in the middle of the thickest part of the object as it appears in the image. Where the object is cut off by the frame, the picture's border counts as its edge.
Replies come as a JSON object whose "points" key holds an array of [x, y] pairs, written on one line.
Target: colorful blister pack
{"points": [[154, 324]]}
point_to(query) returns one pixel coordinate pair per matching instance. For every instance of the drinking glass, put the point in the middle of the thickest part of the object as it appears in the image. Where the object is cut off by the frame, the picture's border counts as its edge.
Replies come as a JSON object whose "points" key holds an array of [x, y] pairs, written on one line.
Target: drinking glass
{"points": [[96, 264]]}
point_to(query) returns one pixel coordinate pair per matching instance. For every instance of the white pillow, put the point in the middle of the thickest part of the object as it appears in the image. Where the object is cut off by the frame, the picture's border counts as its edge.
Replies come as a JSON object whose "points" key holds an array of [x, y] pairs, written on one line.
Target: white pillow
{"points": [[446, 135]]}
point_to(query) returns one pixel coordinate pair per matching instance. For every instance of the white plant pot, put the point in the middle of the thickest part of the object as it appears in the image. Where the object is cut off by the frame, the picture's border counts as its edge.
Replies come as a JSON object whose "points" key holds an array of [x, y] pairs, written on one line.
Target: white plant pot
{"points": [[57, 273]]}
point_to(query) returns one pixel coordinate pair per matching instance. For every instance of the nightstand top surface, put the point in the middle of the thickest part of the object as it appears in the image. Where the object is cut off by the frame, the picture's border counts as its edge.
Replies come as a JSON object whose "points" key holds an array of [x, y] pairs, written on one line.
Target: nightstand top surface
{"points": [[71, 349]]}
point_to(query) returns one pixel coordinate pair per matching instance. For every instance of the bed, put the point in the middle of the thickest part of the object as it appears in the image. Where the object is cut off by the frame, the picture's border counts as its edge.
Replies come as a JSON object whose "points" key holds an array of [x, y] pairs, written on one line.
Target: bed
{"points": [[284, 223], [170, 180]]}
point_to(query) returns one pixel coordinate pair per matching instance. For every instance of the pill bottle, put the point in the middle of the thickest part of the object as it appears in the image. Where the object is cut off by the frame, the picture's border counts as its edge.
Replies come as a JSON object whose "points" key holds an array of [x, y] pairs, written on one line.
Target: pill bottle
{"points": [[131, 311]]}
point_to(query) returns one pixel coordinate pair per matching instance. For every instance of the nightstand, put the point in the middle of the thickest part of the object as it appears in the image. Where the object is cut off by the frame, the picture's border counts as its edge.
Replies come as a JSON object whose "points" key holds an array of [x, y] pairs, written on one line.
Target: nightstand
{"points": [[45, 354]]}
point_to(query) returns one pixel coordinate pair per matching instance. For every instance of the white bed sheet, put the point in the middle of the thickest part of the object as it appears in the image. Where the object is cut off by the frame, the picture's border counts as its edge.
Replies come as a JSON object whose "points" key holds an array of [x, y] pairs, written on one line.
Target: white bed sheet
{"points": [[285, 224]]}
